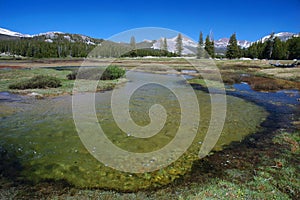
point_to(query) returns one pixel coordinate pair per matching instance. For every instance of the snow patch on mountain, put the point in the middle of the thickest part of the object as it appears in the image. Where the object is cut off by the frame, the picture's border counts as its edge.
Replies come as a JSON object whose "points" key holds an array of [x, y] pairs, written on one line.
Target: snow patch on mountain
{"points": [[49, 40], [67, 37], [87, 39], [187, 44], [49, 35], [283, 36], [223, 42], [12, 33]]}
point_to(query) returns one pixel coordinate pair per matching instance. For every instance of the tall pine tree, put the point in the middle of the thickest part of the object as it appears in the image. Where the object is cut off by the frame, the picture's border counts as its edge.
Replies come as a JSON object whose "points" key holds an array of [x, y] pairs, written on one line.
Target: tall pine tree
{"points": [[293, 46], [233, 50], [279, 50], [132, 43], [268, 50], [209, 47], [179, 46], [200, 50], [165, 44]]}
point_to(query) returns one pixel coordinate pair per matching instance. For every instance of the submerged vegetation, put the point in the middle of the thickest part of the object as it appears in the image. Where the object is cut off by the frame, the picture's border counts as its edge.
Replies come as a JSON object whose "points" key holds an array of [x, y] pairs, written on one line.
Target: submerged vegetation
{"points": [[270, 170], [50, 148]]}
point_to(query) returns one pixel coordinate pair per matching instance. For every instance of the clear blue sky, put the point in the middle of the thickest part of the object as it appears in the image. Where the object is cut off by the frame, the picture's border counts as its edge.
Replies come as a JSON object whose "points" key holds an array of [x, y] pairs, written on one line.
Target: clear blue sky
{"points": [[101, 19]]}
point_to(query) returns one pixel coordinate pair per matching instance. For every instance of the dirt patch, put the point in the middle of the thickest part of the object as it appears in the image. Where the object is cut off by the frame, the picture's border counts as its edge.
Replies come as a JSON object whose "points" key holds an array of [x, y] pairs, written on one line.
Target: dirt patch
{"points": [[11, 67]]}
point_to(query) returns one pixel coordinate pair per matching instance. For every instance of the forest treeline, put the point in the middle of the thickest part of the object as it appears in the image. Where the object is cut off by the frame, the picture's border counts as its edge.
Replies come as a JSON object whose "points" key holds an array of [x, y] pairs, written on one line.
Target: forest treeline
{"points": [[274, 49], [74, 45]]}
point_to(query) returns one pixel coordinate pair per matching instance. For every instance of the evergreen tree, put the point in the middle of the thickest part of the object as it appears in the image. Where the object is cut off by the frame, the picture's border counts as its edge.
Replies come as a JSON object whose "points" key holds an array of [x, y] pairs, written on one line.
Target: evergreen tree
{"points": [[209, 47], [179, 46], [200, 50], [161, 44], [279, 50], [293, 46], [268, 50], [132, 43], [233, 50], [165, 45], [252, 52]]}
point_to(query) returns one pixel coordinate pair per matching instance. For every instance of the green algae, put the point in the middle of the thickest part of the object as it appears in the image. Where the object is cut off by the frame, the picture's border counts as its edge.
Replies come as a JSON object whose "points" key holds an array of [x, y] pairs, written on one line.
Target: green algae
{"points": [[43, 138]]}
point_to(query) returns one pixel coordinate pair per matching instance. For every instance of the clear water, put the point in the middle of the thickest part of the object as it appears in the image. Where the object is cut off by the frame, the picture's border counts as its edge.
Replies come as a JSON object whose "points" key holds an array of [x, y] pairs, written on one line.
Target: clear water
{"points": [[39, 140]]}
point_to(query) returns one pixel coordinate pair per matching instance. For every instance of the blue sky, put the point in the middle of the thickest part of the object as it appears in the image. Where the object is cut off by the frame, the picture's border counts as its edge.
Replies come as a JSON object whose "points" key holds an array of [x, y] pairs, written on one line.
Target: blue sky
{"points": [[251, 20]]}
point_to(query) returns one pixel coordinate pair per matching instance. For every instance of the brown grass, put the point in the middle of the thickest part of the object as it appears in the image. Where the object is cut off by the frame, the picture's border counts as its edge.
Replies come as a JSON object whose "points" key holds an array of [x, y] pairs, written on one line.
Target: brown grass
{"points": [[270, 84]]}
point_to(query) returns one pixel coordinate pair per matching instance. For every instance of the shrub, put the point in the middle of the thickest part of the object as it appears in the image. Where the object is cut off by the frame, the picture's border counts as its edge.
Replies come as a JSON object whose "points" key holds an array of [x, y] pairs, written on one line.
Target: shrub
{"points": [[72, 76], [110, 73], [39, 81]]}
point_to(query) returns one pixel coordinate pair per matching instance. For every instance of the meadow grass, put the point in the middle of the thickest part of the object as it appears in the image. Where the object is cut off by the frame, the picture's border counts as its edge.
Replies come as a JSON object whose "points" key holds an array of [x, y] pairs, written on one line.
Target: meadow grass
{"points": [[13, 76]]}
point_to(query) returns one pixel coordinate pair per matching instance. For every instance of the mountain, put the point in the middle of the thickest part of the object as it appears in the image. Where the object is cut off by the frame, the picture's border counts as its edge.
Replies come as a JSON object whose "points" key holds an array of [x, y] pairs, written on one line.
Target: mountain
{"points": [[283, 36], [60, 36], [50, 37], [12, 33], [223, 42], [189, 46]]}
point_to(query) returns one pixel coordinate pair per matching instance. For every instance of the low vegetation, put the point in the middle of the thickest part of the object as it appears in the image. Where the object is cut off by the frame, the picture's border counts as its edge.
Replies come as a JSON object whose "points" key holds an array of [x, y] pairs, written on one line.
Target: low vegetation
{"points": [[43, 80], [39, 81], [149, 52], [270, 84], [111, 73]]}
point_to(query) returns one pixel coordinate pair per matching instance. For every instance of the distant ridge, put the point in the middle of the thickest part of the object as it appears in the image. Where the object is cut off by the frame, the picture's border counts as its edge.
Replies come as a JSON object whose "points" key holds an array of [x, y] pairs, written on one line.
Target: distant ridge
{"points": [[189, 46]]}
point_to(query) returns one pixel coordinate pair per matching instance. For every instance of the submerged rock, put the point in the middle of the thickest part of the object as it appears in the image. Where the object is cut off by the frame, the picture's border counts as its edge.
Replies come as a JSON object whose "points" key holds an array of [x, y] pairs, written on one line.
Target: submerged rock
{"points": [[36, 95]]}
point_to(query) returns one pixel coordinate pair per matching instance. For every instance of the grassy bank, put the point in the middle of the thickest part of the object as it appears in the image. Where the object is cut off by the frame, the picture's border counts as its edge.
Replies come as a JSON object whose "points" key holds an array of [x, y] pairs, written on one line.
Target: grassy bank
{"points": [[12, 76]]}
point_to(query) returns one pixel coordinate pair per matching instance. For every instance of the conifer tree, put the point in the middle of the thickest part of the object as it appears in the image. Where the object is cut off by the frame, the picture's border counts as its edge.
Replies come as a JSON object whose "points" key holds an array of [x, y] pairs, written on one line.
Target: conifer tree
{"points": [[268, 50], [200, 50], [165, 44], [293, 46], [179, 46], [279, 50], [233, 50], [132, 43], [161, 44], [209, 47]]}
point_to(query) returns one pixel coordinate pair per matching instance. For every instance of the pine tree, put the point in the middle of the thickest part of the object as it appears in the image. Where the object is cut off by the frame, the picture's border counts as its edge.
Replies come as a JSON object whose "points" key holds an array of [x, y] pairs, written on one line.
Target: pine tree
{"points": [[161, 44], [200, 51], [279, 50], [132, 43], [165, 44], [209, 47], [179, 47], [293, 46], [268, 50], [233, 50]]}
